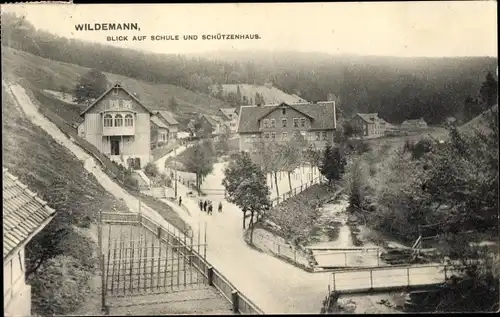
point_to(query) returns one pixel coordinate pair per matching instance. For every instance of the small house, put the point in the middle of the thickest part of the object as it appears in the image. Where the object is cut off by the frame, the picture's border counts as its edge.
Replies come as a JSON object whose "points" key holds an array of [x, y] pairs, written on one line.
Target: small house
{"points": [[24, 216], [414, 124], [164, 127], [230, 117], [368, 125]]}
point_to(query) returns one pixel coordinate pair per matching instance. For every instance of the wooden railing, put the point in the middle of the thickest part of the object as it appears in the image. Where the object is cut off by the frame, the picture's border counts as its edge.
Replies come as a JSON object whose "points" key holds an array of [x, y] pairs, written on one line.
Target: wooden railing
{"points": [[184, 242], [387, 278], [297, 190]]}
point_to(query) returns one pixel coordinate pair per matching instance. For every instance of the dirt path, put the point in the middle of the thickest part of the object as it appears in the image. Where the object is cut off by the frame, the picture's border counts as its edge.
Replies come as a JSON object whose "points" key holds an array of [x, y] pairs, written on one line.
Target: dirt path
{"points": [[31, 110]]}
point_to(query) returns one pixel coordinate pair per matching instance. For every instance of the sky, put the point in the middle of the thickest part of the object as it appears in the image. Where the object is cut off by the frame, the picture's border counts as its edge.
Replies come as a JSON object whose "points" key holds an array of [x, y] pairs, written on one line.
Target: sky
{"points": [[434, 29]]}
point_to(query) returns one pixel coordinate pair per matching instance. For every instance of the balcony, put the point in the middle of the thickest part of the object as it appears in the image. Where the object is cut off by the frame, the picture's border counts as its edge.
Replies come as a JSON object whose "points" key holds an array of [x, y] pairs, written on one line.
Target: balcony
{"points": [[112, 131]]}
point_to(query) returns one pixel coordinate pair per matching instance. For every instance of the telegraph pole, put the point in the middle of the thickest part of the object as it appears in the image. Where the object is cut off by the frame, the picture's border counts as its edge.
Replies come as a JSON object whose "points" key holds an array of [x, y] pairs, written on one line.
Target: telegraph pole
{"points": [[175, 169]]}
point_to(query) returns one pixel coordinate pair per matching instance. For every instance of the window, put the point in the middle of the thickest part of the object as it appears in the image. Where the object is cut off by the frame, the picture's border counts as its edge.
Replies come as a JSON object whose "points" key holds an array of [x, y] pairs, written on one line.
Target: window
{"points": [[273, 123], [129, 120], [273, 135], [108, 120], [284, 135], [317, 136], [254, 138], [115, 91], [325, 135], [266, 123], [266, 135], [303, 133], [295, 122], [283, 111], [283, 123], [302, 122], [118, 120]]}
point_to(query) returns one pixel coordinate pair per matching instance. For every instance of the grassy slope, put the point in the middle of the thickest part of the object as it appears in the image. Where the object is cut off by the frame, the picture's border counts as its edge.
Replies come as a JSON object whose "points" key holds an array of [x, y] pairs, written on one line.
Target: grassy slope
{"points": [[271, 95], [49, 74], [32, 155], [480, 122]]}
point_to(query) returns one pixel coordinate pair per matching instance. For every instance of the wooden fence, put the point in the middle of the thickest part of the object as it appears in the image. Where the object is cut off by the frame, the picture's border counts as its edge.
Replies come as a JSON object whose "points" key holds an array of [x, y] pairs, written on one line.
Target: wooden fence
{"points": [[186, 246], [291, 193]]}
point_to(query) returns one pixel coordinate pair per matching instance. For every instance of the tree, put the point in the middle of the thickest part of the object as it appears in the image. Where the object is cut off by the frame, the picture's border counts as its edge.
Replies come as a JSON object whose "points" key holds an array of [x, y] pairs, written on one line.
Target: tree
{"points": [[292, 157], [173, 104], [222, 144], [90, 86], [489, 91], [333, 164], [199, 159], [246, 186]]}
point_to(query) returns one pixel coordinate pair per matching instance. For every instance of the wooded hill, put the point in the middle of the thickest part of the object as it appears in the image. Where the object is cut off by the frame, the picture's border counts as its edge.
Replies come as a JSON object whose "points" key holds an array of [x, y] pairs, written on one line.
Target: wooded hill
{"points": [[396, 88]]}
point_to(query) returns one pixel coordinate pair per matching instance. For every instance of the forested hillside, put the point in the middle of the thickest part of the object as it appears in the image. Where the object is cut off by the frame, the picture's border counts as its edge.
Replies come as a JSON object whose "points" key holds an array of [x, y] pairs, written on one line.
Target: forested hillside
{"points": [[396, 88]]}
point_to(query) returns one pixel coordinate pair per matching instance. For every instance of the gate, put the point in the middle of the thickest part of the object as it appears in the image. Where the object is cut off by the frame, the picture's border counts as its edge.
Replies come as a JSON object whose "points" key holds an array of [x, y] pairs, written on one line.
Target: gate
{"points": [[139, 260]]}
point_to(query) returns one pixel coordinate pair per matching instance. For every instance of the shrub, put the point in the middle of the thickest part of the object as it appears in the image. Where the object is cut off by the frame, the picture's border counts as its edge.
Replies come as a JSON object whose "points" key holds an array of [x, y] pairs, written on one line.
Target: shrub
{"points": [[151, 170], [134, 163], [60, 287]]}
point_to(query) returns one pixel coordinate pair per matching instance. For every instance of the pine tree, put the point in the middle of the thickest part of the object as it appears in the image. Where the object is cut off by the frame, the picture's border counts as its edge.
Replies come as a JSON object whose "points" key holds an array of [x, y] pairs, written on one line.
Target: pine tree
{"points": [[333, 164], [489, 91]]}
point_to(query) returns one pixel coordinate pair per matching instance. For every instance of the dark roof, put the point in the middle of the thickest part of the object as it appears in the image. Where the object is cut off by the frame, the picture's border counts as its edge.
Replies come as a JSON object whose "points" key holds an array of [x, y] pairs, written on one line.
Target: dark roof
{"points": [[414, 121], [167, 116], [117, 85], [24, 214], [368, 117], [213, 120], [159, 122], [228, 111], [320, 113]]}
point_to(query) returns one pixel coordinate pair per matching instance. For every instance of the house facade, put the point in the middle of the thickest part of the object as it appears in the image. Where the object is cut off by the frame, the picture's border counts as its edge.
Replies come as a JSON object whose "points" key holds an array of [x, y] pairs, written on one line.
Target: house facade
{"points": [[368, 125], [314, 122], [163, 127], [230, 117], [414, 124], [118, 124], [24, 215], [208, 126]]}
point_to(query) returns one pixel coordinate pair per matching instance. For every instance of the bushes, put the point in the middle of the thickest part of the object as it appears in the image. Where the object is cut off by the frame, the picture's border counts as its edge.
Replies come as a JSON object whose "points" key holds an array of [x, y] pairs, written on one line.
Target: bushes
{"points": [[134, 163], [62, 286], [151, 170]]}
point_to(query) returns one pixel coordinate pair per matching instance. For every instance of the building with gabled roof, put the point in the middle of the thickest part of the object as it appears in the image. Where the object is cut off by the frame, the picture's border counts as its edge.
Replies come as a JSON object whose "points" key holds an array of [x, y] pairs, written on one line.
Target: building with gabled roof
{"points": [[316, 122], [414, 124], [230, 116], [368, 125], [164, 127], [118, 124], [24, 215]]}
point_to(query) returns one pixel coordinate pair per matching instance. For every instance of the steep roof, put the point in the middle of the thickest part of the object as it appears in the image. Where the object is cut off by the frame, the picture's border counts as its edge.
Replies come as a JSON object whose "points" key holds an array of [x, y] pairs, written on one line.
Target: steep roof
{"points": [[167, 116], [320, 113], [213, 120], [159, 122], [24, 214], [228, 111], [119, 86], [367, 117]]}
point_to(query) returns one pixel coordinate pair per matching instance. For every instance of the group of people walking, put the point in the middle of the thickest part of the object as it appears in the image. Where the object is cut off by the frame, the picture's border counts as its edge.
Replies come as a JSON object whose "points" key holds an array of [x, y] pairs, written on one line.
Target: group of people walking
{"points": [[208, 207]]}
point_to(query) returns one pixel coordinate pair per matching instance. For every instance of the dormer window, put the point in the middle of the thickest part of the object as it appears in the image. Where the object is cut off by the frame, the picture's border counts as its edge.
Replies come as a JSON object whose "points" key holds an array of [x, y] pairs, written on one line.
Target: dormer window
{"points": [[115, 91], [283, 111]]}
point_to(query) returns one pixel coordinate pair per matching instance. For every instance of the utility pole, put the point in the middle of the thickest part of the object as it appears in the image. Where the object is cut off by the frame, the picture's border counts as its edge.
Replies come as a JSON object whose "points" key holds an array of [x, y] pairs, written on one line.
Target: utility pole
{"points": [[175, 169]]}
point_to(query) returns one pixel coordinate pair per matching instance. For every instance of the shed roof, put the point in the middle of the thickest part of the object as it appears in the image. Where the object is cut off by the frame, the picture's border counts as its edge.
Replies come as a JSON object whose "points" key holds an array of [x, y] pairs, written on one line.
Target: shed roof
{"points": [[24, 214]]}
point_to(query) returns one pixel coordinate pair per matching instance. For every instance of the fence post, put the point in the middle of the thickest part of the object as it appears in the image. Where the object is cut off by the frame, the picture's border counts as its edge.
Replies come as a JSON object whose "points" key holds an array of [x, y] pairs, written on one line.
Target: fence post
{"points": [[234, 299], [378, 257], [408, 275], [371, 279], [210, 274], [445, 273], [345, 258], [334, 285]]}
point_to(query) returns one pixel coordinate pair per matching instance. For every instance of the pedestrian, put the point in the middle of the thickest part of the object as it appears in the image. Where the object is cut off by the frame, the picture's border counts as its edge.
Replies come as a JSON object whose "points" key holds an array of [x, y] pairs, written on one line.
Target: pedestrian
{"points": [[220, 206], [205, 205], [180, 200], [200, 203], [210, 208]]}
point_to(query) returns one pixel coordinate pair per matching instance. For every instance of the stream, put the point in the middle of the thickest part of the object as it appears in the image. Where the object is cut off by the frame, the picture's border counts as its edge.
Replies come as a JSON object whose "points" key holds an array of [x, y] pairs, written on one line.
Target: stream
{"points": [[332, 232]]}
